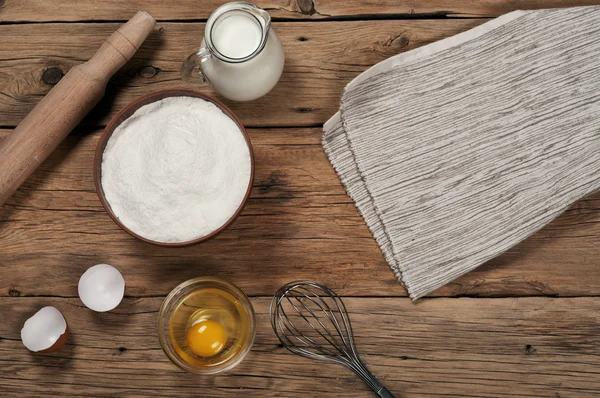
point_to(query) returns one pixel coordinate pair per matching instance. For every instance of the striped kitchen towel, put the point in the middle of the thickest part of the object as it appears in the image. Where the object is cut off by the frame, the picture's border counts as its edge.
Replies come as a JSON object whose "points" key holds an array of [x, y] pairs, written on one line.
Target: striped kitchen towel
{"points": [[458, 150]]}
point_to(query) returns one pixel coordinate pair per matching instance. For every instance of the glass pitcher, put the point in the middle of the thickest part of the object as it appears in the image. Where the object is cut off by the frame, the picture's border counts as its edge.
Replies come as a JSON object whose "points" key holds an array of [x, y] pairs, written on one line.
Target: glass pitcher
{"points": [[240, 55]]}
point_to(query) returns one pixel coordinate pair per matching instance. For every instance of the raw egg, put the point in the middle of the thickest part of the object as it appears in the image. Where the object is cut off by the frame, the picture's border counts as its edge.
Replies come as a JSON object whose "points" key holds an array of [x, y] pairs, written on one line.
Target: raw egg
{"points": [[45, 331], [101, 287], [206, 338]]}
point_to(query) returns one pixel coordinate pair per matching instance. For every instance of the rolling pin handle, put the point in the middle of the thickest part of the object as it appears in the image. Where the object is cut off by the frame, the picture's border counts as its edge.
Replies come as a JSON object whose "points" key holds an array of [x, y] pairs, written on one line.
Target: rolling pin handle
{"points": [[55, 116], [120, 46]]}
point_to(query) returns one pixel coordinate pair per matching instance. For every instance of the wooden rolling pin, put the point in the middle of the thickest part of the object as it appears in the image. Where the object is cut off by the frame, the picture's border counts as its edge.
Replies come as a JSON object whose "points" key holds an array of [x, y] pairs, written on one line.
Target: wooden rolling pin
{"points": [[66, 105]]}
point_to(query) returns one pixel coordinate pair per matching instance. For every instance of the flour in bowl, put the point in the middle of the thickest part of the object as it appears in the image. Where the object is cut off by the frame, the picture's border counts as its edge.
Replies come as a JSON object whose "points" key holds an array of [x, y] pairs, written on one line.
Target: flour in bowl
{"points": [[176, 170]]}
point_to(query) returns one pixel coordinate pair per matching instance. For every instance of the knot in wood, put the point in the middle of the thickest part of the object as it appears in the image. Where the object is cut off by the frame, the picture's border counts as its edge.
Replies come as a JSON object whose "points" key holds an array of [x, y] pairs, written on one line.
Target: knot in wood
{"points": [[148, 71], [14, 293], [307, 7], [52, 75], [2, 3]]}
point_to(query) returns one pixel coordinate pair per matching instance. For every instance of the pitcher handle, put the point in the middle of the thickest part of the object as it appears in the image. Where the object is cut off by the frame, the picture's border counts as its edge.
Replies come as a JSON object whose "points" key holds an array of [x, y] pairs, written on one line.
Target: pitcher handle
{"points": [[193, 62]]}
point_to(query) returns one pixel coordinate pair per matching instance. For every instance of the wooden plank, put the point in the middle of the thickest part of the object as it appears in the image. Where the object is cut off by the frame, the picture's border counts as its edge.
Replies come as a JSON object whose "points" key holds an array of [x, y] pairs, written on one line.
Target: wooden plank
{"points": [[115, 10], [525, 347], [298, 224], [320, 60]]}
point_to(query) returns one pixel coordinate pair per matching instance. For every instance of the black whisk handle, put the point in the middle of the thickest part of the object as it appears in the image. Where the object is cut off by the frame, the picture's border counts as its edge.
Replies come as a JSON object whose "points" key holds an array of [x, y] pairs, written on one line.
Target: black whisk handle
{"points": [[384, 393]]}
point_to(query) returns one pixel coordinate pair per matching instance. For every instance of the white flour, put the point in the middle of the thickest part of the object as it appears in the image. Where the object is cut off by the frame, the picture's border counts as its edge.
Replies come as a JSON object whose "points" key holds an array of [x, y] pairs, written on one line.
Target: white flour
{"points": [[176, 170]]}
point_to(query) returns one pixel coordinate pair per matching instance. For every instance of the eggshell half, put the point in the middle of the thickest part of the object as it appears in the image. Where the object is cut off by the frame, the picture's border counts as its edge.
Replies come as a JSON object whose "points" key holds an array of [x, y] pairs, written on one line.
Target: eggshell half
{"points": [[101, 287], [45, 331]]}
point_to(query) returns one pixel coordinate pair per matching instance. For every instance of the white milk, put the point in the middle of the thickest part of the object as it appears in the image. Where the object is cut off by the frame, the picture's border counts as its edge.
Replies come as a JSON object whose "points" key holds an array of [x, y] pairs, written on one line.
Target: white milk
{"points": [[238, 35]]}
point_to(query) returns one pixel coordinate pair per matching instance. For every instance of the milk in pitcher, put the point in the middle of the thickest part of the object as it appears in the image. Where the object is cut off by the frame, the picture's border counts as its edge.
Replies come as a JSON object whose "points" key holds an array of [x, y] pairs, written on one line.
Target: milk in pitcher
{"points": [[240, 56]]}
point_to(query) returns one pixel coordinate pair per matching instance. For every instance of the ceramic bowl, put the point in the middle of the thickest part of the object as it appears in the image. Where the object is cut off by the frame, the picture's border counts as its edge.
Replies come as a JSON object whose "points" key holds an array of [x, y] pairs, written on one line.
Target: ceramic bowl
{"points": [[130, 110]]}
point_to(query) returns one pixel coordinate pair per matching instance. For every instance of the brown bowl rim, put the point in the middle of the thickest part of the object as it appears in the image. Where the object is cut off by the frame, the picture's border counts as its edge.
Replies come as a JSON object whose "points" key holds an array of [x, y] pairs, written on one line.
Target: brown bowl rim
{"points": [[129, 110]]}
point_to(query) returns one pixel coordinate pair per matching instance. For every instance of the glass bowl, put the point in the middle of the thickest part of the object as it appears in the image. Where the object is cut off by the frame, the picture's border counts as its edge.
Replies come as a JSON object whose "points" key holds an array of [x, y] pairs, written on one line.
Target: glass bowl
{"points": [[206, 298]]}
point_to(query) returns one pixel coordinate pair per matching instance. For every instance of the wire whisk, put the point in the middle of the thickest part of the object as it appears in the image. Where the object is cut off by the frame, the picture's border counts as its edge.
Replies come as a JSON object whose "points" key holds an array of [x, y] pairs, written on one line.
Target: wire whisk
{"points": [[312, 321]]}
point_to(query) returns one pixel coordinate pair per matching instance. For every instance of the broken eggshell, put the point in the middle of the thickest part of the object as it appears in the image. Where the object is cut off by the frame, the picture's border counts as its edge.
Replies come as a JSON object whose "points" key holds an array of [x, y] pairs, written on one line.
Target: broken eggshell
{"points": [[45, 331], [101, 287]]}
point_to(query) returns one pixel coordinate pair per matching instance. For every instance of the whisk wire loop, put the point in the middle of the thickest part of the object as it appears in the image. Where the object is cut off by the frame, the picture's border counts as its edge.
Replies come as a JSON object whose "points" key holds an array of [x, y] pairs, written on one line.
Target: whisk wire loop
{"points": [[286, 322], [322, 329], [332, 340]]}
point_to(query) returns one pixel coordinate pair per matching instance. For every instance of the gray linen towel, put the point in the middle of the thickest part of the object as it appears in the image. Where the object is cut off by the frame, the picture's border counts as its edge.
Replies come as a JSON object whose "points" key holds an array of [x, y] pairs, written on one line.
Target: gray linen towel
{"points": [[458, 150]]}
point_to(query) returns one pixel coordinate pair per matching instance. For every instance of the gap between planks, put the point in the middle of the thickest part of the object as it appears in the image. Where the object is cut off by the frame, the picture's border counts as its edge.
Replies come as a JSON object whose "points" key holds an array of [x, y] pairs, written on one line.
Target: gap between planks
{"points": [[343, 18]]}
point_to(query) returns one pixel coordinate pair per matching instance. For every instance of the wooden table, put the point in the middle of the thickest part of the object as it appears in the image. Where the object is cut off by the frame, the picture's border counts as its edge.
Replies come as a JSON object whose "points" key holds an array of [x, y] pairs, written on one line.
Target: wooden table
{"points": [[526, 324]]}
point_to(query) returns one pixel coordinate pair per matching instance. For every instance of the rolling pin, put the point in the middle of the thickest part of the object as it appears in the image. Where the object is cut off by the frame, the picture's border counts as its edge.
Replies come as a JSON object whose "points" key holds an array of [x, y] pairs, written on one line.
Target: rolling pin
{"points": [[57, 114]]}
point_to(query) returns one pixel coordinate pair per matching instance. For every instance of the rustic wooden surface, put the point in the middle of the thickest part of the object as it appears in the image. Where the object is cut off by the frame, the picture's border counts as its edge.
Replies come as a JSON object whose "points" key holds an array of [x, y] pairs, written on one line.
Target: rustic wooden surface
{"points": [[525, 324], [525, 347]]}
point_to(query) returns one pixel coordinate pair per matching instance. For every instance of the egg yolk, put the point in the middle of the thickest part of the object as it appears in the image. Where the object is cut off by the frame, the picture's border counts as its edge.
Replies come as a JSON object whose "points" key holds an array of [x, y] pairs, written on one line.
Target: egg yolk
{"points": [[206, 338]]}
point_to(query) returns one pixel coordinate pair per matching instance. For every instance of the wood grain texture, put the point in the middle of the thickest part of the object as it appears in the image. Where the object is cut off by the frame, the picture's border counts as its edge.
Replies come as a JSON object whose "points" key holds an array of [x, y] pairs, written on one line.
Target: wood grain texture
{"points": [[320, 60], [114, 10], [526, 347], [299, 223]]}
